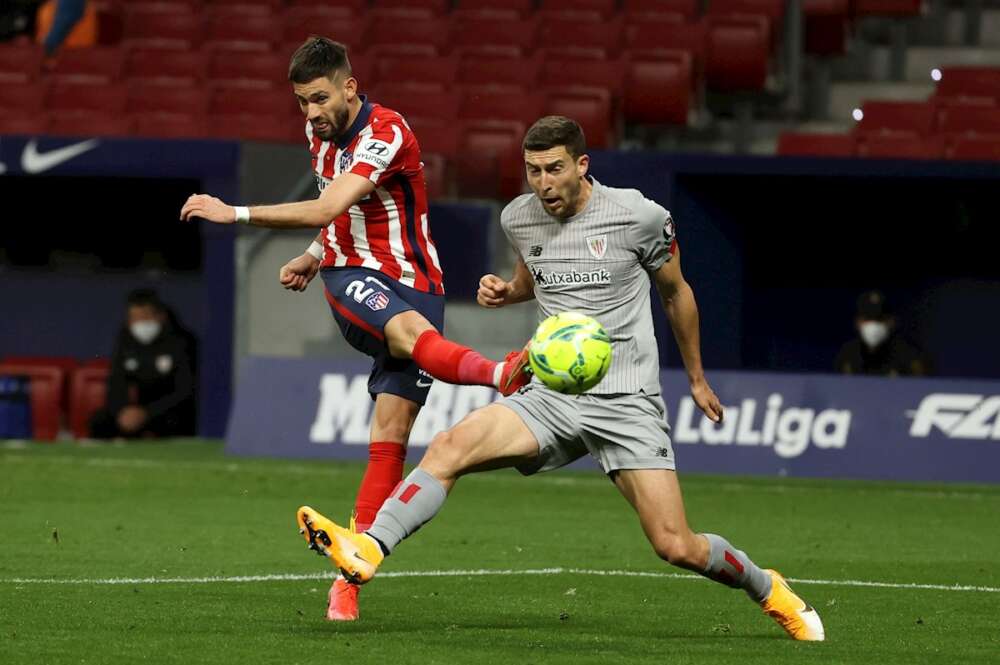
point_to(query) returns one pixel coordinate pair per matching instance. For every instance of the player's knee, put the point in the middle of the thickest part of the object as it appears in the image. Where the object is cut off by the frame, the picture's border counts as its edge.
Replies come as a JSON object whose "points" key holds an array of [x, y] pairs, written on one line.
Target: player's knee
{"points": [[403, 330], [444, 457], [674, 548]]}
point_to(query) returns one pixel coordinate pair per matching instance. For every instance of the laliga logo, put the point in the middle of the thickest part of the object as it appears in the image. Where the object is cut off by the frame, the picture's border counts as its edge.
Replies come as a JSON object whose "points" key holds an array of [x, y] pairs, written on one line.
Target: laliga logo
{"points": [[789, 431], [959, 416]]}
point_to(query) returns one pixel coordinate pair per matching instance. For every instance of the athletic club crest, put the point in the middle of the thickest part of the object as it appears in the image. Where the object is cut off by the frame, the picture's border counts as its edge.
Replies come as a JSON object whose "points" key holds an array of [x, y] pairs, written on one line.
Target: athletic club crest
{"points": [[598, 245]]}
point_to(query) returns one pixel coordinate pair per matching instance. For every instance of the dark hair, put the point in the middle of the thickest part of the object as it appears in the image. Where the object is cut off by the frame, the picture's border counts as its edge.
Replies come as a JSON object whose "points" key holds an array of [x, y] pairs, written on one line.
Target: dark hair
{"points": [[554, 130], [318, 57], [145, 298]]}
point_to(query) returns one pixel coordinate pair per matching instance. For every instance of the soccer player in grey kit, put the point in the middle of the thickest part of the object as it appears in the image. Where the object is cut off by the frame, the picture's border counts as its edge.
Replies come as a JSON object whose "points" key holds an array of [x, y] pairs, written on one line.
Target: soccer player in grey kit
{"points": [[593, 249]]}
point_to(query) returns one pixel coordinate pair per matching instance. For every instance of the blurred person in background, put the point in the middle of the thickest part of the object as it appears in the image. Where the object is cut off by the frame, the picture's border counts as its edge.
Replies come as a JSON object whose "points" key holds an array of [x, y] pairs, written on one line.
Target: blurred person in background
{"points": [[17, 18], [69, 22], [151, 387], [878, 348]]}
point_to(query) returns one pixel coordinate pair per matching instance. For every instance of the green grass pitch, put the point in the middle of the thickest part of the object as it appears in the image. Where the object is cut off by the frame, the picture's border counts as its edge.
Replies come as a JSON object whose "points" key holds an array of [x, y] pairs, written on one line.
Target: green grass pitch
{"points": [[187, 516]]}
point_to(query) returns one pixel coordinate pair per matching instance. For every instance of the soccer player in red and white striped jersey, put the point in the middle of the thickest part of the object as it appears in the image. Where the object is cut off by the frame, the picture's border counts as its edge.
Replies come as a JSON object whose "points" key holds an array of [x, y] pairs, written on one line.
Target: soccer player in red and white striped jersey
{"points": [[378, 263]]}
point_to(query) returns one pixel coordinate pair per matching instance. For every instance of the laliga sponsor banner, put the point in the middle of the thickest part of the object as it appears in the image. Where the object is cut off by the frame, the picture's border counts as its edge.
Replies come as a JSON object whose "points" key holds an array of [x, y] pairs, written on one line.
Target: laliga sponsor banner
{"points": [[775, 424]]}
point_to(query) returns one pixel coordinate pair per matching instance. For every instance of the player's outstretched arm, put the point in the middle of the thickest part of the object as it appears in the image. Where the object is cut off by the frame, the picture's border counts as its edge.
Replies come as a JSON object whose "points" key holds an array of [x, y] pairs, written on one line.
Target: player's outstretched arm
{"points": [[344, 191], [682, 312], [495, 292]]}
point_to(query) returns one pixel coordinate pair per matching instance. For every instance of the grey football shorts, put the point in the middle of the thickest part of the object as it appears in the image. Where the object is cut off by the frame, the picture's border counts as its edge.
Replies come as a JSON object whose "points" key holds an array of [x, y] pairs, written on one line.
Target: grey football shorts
{"points": [[619, 431]]}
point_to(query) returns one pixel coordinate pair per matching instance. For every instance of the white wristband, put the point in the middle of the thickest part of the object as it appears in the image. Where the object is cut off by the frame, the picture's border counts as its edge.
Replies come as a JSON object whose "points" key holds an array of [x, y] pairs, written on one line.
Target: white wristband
{"points": [[315, 250], [242, 214]]}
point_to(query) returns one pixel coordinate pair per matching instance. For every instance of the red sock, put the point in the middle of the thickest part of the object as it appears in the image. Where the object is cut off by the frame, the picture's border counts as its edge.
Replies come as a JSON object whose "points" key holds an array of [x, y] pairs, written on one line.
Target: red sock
{"points": [[384, 472], [451, 362]]}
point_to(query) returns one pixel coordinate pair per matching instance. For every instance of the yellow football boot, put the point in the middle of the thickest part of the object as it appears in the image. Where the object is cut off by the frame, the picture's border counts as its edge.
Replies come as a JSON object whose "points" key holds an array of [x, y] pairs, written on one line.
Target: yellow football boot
{"points": [[792, 613], [356, 555]]}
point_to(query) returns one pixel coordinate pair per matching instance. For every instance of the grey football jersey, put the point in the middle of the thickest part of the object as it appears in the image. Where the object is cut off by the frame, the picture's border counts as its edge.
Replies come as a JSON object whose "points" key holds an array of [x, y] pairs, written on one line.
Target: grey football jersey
{"points": [[598, 263]]}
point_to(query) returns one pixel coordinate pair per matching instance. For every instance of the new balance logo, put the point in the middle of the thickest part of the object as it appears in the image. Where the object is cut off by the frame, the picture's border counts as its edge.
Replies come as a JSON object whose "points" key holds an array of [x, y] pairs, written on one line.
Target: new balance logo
{"points": [[536, 250]]}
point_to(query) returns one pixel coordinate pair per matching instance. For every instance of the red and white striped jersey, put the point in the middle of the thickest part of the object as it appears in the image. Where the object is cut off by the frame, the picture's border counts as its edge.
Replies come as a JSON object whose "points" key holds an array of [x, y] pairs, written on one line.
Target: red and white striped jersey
{"points": [[386, 231]]}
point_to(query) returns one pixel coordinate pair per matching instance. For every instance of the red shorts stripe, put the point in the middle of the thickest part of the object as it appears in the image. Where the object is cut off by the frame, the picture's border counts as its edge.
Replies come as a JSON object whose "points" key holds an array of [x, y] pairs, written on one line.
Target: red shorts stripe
{"points": [[350, 316]]}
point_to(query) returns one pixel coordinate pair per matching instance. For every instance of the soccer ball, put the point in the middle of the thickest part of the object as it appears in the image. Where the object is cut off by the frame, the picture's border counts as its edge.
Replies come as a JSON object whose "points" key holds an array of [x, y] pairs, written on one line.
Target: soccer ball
{"points": [[570, 352]]}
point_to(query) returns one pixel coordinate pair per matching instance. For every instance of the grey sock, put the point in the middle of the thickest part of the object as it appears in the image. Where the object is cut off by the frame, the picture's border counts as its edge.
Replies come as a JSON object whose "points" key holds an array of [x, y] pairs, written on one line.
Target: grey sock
{"points": [[732, 567], [417, 499]]}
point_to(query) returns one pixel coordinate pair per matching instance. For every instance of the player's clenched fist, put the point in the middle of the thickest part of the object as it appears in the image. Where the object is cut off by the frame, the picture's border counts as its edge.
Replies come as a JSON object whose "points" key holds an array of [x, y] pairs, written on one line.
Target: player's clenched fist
{"points": [[492, 291], [297, 273], [208, 207]]}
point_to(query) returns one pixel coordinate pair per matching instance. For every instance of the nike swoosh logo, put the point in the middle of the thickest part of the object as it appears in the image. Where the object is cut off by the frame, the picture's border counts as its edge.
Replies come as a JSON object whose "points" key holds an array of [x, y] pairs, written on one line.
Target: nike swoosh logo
{"points": [[421, 384], [33, 161]]}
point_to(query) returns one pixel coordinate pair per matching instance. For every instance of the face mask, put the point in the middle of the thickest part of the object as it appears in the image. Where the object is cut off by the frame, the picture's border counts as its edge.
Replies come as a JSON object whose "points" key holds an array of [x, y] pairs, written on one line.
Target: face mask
{"points": [[873, 333], [145, 331]]}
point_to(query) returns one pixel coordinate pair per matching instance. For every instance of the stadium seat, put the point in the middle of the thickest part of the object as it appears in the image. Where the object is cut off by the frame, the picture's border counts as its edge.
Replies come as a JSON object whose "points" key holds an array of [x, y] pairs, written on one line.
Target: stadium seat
{"points": [[524, 7], [827, 23], [88, 123], [558, 75], [435, 136], [893, 116], [511, 105], [439, 71], [239, 8], [162, 30], [887, 7], [98, 64], [74, 97], [169, 125], [435, 174], [403, 31], [899, 145], [47, 385], [667, 32], [88, 393], [651, 9], [605, 8], [279, 103], [498, 34], [490, 163], [974, 148], [247, 70], [736, 57], [773, 9], [417, 102], [355, 6], [797, 144], [66, 364], [658, 89], [150, 98], [249, 33], [22, 97], [591, 109], [20, 63], [968, 119], [969, 82], [486, 70], [163, 6], [21, 123], [567, 35], [166, 68], [267, 127], [438, 7], [337, 23]]}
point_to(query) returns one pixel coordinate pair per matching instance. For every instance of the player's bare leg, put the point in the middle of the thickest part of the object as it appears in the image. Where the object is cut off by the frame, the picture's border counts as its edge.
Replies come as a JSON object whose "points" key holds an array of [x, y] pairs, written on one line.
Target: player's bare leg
{"points": [[392, 420], [489, 438], [656, 496], [410, 335]]}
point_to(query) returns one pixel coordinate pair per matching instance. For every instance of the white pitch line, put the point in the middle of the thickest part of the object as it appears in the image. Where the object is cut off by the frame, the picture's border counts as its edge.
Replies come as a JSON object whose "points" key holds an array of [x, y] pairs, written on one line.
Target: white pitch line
{"points": [[481, 572]]}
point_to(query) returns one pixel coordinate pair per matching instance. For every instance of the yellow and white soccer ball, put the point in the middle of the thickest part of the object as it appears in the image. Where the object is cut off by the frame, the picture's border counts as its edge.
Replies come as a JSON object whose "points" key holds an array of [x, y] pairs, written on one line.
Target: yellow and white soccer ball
{"points": [[570, 352]]}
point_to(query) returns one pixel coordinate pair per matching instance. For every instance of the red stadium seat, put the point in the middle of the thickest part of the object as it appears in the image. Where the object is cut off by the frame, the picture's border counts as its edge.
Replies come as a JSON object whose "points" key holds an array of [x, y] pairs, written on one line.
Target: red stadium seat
{"points": [[668, 32], [435, 135], [509, 105], [88, 394], [647, 9], [417, 102], [355, 6], [969, 82], [20, 63], [406, 32], [899, 145], [88, 123], [70, 97], [773, 9], [564, 36], [163, 6], [559, 75], [495, 71], [21, 123], [974, 148], [167, 68], [826, 26], [47, 385], [887, 7], [66, 364], [880, 116], [968, 118], [163, 30], [816, 145], [435, 174], [239, 8], [591, 109], [169, 125], [247, 70], [524, 7], [337, 23], [736, 59], [658, 90], [266, 127], [438, 7], [440, 71], [146, 98], [604, 7], [23, 97], [250, 33], [98, 64], [483, 33], [280, 103], [490, 163]]}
